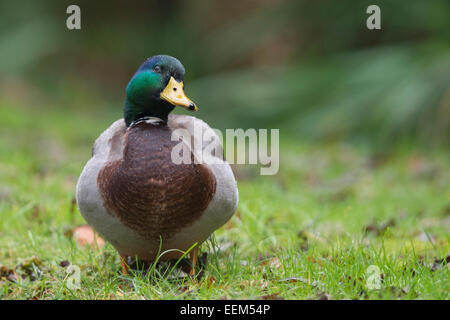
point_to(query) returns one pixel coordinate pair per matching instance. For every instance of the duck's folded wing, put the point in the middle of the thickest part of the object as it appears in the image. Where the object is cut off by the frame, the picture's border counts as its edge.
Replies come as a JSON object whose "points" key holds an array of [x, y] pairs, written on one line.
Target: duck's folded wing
{"points": [[109, 145]]}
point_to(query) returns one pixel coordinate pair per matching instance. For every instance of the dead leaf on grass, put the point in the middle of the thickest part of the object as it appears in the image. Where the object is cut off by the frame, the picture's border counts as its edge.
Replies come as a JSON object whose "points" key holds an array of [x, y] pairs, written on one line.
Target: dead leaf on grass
{"points": [[85, 235], [273, 296]]}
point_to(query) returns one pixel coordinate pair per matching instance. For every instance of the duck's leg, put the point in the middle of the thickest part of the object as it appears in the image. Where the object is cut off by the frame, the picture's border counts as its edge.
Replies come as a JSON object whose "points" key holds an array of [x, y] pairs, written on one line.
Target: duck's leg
{"points": [[123, 260], [193, 255]]}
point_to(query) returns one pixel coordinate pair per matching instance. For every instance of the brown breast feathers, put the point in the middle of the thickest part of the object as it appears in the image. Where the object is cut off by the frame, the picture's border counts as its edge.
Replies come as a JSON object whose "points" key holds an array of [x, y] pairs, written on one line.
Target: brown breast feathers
{"points": [[147, 191]]}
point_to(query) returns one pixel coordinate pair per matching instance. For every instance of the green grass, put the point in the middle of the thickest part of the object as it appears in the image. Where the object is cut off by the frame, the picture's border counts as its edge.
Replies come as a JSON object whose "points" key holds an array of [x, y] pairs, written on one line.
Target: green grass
{"points": [[311, 231]]}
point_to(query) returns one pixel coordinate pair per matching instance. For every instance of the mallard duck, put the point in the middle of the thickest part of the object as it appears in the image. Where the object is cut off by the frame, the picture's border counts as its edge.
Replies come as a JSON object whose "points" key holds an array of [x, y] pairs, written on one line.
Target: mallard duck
{"points": [[134, 195]]}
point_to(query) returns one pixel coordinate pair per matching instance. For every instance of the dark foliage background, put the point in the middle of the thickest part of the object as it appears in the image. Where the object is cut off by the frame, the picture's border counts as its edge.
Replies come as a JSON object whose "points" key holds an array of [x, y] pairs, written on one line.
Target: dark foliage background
{"points": [[311, 68]]}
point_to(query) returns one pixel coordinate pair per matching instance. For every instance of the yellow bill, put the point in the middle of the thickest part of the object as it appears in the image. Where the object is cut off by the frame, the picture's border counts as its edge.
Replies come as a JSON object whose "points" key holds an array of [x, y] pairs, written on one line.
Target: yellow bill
{"points": [[174, 94]]}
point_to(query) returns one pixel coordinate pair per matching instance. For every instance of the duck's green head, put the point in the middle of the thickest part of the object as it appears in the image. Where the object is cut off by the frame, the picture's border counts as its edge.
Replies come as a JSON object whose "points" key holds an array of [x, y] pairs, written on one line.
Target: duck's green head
{"points": [[155, 89]]}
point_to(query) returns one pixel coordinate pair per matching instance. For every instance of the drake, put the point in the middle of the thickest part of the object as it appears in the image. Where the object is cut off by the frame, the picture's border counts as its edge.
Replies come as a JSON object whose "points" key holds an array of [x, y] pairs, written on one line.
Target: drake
{"points": [[134, 195]]}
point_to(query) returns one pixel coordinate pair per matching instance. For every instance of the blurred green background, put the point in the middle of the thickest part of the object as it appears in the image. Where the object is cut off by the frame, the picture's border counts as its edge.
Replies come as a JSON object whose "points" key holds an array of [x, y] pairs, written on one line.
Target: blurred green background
{"points": [[364, 119], [310, 68]]}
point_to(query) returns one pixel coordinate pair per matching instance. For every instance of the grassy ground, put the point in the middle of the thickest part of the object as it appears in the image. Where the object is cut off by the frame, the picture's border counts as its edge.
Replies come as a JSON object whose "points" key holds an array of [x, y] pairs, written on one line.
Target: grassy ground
{"points": [[312, 231]]}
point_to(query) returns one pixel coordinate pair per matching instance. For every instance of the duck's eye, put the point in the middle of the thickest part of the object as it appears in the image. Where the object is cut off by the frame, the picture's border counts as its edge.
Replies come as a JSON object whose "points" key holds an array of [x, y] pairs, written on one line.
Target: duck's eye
{"points": [[157, 68]]}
